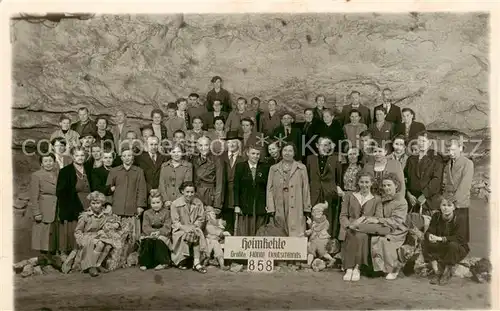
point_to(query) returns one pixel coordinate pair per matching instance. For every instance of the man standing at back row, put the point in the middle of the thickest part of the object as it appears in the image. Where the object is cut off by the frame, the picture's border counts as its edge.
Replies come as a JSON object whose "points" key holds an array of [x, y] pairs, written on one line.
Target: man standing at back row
{"points": [[392, 111], [219, 93], [356, 104]]}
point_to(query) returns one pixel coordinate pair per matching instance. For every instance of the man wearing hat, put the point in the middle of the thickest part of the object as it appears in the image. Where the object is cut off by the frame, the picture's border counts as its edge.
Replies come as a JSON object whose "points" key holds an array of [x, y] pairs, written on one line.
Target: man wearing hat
{"points": [[286, 132], [229, 159]]}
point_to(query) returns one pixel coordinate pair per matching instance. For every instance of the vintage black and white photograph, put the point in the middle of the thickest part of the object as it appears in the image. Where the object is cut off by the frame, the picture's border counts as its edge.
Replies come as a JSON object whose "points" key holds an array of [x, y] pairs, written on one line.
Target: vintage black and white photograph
{"points": [[255, 161]]}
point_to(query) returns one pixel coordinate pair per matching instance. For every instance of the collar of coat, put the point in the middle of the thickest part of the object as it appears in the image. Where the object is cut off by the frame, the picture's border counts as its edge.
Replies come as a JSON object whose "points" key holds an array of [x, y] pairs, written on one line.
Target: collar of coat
{"points": [[169, 163], [295, 166], [132, 168]]}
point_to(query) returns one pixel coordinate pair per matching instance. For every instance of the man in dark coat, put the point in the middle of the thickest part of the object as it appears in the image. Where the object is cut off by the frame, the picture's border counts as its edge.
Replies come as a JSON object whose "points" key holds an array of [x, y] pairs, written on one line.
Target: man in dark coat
{"points": [[324, 172], [286, 132], [229, 160], [219, 93], [310, 131], [85, 123], [250, 187], [150, 162], [424, 173], [332, 129], [356, 104], [393, 112]]}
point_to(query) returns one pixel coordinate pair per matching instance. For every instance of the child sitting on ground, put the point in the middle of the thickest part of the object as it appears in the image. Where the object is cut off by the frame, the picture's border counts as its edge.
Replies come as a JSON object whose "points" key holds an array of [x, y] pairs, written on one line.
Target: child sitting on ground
{"points": [[93, 235], [154, 251], [318, 235], [214, 233]]}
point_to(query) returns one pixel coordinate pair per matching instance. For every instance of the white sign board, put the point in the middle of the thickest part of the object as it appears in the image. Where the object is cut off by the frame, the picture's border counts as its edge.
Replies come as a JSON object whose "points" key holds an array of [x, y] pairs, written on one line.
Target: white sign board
{"points": [[261, 252]]}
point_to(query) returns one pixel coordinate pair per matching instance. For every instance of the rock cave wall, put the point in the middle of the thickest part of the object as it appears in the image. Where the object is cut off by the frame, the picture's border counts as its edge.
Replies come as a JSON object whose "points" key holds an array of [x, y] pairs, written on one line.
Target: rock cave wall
{"points": [[435, 63]]}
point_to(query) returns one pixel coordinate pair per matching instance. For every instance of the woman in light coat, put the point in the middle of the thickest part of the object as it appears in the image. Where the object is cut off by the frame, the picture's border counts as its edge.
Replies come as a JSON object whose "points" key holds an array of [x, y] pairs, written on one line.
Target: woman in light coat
{"points": [[43, 202], [288, 194], [173, 173], [391, 216], [188, 218]]}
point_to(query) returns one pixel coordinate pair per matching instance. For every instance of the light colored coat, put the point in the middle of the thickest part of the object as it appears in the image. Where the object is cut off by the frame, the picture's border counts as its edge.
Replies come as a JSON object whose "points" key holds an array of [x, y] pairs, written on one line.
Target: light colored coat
{"points": [[289, 197], [384, 248], [458, 181], [183, 215], [43, 201], [72, 138], [171, 178]]}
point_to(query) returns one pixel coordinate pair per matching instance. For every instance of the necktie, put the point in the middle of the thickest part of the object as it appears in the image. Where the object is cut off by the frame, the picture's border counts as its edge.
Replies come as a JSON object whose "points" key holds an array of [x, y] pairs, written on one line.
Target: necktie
{"points": [[231, 159], [153, 157], [451, 164], [253, 169]]}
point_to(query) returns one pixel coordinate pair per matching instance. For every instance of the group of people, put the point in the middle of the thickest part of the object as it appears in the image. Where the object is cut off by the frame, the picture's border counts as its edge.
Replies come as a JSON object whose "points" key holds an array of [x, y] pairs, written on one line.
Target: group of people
{"points": [[177, 186]]}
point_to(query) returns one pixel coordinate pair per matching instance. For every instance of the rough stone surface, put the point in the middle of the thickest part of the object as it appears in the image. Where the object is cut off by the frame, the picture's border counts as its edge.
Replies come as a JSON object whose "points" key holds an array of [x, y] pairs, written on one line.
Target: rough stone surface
{"points": [[435, 63]]}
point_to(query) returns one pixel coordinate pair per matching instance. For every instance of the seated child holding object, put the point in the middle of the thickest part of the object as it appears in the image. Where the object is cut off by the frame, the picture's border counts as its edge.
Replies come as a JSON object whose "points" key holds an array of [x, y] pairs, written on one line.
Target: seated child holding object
{"points": [[318, 235], [214, 233]]}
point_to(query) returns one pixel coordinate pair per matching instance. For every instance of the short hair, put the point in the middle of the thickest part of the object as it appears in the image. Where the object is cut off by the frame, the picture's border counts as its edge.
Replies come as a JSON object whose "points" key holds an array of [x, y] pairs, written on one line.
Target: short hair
{"points": [[242, 98], [287, 144], [358, 160], [180, 131], [325, 138], [255, 99], [64, 117], [186, 184], [155, 137], [364, 173], [95, 145], [399, 137], [274, 142], [96, 196], [328, 110], [409, 110], [126, 147], [273, 100], [354, 111], [423, 134], [154, 193], [386, 89], [247, 120], [196, 118], [180, 100], [215, 78], [101, 117], [255, 147], [51, 155], [158, 111], [178, 145], [380, 109], [447, 197], [172, 105], [318, 97], [62, 140], [83, 109], [132, 131], [354, 92], [393, 178], [221, 118], [76, 149], [308, 109], [216, 101], [365, 134], [194, 95], [387, 146]]}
